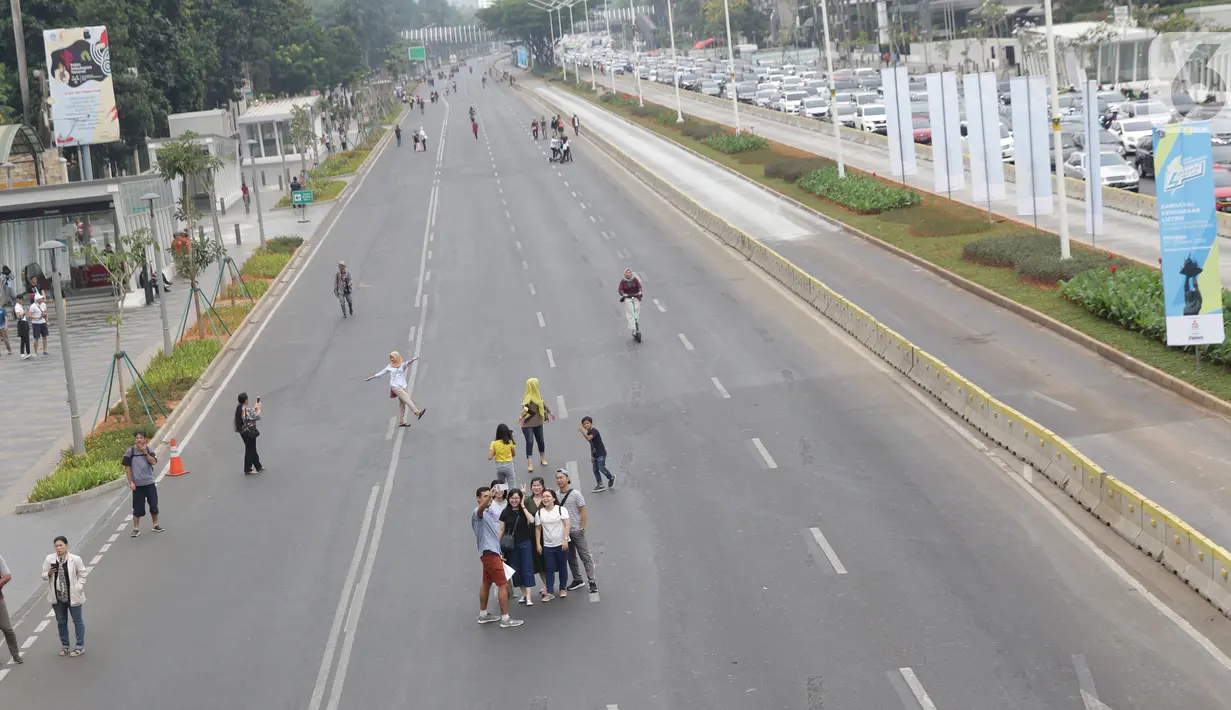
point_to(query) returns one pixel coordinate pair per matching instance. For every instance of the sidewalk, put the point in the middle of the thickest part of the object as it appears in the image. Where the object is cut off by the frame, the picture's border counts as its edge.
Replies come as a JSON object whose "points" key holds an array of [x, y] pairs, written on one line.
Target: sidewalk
{"points": [[1125, 234], [1134, 429]]}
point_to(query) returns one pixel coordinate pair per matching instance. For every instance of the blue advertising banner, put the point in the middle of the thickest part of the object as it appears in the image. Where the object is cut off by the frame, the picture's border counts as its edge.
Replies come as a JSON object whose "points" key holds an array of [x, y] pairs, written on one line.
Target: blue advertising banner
{"points": [[523, 57], [1188, 233]]}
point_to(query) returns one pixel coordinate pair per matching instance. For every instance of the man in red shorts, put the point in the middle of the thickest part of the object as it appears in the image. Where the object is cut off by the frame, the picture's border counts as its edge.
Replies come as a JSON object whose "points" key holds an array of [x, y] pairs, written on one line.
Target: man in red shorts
{"points": [[486, 524]]}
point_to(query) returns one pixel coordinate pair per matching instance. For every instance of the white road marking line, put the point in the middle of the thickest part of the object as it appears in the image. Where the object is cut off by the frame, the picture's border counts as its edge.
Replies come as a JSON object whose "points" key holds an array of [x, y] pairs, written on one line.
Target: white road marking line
{"points": [[542, 323], [561, 410], [518, 246], [393, 422], [96, 560], [592, 220], [583, 205], [113, 538], [29, 642], [431, 237], [431, 207], [661, 307], [507, 215], [1028, 472], [531, 289], [721, 390], [104, 548], [411, 338], [594, 600], [128, 518], [613, 707], [496, 174], [513, 229], [605, 236], [525, 266], [551, 360], [42, 625], [427, 277], [769, 460], [917, 688], [339, 615], [1054, 402], [571, 467], [51, 613], [503, 202], [1085, 680], [828, 550], [429, 254], [565, 182], [574, 194], [684, 340], [4, 672]]}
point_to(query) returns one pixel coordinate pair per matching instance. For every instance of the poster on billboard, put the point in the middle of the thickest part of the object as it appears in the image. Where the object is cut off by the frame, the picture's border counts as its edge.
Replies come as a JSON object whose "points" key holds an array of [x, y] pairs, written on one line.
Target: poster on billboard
{"points": [[79, 79], [1188, 233]]}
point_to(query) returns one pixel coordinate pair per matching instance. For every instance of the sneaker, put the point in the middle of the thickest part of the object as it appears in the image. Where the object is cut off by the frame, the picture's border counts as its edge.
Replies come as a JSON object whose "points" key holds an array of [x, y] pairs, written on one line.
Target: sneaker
{"points": [[522, 600], [611, 482], [159, 528], [510, 623], [594, 587], [598, 489], [563, 593], [486, 618], [135, 533], [19, 659], [576, 584], [529, 601], [25, 357]]}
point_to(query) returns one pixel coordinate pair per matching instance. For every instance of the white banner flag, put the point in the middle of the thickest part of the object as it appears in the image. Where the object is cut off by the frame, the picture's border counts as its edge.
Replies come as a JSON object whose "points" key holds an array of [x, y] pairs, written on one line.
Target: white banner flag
{"points": [[1028, 97], [946, 131], [1094, 159], [983, 137], [900, 129]]}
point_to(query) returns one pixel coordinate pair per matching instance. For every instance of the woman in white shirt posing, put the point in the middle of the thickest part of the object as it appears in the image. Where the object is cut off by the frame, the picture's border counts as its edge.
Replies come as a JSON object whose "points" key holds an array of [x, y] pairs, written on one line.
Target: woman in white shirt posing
{"points": [[551, 539], [397, 386]]}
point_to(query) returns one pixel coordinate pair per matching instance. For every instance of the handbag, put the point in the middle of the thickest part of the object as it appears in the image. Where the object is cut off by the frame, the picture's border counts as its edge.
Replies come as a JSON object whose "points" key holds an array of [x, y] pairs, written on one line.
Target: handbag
{"points": [[506, 541]]}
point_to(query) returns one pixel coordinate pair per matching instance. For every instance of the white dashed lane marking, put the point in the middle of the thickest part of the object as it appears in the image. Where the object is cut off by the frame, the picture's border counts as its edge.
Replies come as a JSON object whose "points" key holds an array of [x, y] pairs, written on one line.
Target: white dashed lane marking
{"points": [[661, 308], [531, 289], [684, 340], [551, 360], [828, 550], [542, 323], [721, 390], [561, 410], [769, 460], [916, 688]]}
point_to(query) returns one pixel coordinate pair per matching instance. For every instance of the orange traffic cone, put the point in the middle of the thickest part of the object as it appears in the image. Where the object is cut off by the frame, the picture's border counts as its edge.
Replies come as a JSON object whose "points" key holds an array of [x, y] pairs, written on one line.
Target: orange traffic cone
{"points": [[177, 466]]}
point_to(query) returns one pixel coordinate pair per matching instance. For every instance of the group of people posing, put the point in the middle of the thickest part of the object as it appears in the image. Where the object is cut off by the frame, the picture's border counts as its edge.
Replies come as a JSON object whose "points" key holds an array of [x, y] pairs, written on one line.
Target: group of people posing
{"points": [[537, 531]]}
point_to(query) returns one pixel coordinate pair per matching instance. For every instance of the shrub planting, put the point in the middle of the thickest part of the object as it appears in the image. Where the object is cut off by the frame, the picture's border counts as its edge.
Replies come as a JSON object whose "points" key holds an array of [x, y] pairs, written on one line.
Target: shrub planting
{"points": [[858, 192], [732, 143], [794, 169]]}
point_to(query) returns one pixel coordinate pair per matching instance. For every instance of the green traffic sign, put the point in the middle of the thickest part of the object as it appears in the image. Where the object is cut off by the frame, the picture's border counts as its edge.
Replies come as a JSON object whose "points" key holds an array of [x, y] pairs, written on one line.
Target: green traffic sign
{"points": [[301, 197], [417, 54]]}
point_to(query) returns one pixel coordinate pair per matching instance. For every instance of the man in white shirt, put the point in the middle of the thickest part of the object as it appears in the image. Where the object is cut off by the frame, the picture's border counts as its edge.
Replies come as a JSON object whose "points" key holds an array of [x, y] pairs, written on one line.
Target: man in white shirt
{"points": [[37, 315], [23, 327]]}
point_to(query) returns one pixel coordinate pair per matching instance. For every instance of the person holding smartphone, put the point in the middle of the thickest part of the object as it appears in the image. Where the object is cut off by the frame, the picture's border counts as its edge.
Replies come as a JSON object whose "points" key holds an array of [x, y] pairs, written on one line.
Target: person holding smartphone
{"points": [[246, 418], [139, 462]]}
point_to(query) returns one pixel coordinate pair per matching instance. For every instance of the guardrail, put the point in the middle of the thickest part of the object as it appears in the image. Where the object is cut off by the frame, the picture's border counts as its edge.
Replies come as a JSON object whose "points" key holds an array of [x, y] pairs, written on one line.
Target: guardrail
{"points": [[1165, 538]]}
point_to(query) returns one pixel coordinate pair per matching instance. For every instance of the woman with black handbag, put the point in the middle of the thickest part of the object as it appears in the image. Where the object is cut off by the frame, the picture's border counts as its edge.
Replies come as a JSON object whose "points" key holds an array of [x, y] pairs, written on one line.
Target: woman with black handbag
{"points": [[245, 425], [517, 543]]}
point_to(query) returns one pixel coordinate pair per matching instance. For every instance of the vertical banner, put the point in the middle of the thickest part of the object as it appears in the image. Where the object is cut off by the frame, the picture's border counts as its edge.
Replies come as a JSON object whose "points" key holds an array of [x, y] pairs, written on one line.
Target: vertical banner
{"points": [[1188, 233], [983, 137], [1028, 100], [900, 129], [946, 132], [79, 80], [1094, 159]]}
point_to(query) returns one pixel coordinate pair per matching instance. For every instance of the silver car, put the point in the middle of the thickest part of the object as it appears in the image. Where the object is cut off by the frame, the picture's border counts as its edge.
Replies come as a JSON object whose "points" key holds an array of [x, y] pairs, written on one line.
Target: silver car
{"points": [[1114, 171]]}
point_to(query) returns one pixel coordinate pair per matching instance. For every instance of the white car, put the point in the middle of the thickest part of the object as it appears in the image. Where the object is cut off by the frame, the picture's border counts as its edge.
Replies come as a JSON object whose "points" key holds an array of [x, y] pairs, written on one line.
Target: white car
{"points": [[792, 101], [871, 118], [866, 98], [1130, 131], [815, 107], [1113, 171], [1007, 150]]}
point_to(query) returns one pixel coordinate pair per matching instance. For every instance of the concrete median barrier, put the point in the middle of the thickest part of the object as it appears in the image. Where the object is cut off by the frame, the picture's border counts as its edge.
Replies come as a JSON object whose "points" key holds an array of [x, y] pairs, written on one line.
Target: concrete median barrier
{"points": [[1204, 565]]}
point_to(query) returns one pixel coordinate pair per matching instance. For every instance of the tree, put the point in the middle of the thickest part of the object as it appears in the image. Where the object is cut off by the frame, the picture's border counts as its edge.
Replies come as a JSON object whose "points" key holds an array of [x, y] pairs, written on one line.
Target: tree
{"points": [[184, 159], [303, 135], [518, 20], [121, 264]]}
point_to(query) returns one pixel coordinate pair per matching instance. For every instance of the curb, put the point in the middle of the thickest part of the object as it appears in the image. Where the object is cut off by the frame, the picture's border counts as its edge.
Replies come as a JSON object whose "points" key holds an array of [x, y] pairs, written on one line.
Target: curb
{"points": [[207, 378], [1147, 372]]}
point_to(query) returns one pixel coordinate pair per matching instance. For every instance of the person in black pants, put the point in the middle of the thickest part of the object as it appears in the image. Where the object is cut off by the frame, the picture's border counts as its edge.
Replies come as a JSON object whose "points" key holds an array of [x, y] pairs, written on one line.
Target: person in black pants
{"points": [[245, 424], [23, 327]]}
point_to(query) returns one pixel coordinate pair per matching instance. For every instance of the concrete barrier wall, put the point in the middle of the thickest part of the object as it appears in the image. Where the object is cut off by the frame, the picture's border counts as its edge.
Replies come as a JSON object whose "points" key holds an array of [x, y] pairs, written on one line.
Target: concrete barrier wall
{"points": [[1138, 205], [1203, 565]]}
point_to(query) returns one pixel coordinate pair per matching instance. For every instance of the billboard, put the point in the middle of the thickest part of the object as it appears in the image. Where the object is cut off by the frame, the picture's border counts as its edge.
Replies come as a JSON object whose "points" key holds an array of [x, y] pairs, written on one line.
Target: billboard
{"points": [[82, 93], [417, 53], [1188, 233]]}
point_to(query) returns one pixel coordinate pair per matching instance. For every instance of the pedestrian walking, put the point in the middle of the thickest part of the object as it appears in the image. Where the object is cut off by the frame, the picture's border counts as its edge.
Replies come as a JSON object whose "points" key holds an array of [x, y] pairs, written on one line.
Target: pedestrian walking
{"points": [[517, 541], [474, 128], [342, 288], [65, 574], [4, 329], [8, 286], [598, 454], [245, 425], [486, 525], [139, 462], [415, 136], [534, 128], [37, 315], [551, 540], [23, 327], [423, 138], [397, 368], [534, 413], [247, 196], [502, 450], [579, 547], [576, 125], [6, 623]]}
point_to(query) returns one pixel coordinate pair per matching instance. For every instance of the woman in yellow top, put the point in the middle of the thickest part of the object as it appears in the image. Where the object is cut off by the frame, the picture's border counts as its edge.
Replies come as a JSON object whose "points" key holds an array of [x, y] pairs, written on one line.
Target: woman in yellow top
{"points": [[501, 451], [534, 413]]}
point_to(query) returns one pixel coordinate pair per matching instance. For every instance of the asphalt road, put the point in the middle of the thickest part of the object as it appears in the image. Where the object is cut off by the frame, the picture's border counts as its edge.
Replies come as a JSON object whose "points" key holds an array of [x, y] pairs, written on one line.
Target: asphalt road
{"points": [[744, 433]]}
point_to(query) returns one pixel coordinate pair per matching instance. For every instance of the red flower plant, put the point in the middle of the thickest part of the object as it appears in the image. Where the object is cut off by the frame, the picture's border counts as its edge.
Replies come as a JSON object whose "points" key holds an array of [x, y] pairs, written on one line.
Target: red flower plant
{"points": [[1113, 268]]}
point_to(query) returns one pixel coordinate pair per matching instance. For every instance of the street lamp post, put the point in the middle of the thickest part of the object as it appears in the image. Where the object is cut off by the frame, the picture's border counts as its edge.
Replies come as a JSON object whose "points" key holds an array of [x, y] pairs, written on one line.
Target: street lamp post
{"points": [[62, 325], [8, 166], [837, 125], [726, 9], [590, 47], [573, 31], [607, 15], [1062, 198], [675, 66], [256, 190], [167, 344]]}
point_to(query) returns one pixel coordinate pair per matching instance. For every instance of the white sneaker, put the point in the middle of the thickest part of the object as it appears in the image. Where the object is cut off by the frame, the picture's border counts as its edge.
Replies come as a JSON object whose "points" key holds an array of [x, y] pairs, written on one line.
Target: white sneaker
{"points": [[510, 623]]}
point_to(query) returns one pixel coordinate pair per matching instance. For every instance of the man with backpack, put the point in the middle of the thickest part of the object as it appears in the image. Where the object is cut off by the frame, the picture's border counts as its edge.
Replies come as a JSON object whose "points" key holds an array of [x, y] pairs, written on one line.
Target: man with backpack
{"points": [[578, 547]]}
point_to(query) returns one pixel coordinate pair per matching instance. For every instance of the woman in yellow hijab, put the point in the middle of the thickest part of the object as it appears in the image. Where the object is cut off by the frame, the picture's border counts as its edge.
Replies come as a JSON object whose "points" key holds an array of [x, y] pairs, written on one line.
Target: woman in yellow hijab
{"points": [[534, 413]]}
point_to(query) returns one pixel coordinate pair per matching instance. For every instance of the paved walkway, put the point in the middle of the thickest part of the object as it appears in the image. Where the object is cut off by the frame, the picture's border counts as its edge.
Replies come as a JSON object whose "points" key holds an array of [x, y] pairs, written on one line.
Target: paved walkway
{"points": [[1132, 236], [36, 417], [1134, 429]]}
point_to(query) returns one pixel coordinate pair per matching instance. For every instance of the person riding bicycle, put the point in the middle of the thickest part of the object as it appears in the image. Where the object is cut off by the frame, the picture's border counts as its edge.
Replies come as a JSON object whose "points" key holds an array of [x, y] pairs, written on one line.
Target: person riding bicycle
{"points": [[397, 131], [630, 295]]}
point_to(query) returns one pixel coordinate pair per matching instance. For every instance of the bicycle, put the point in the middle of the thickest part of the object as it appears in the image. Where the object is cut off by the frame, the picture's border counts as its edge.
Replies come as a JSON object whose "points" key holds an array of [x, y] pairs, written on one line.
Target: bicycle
{"points": [[635, 308]]}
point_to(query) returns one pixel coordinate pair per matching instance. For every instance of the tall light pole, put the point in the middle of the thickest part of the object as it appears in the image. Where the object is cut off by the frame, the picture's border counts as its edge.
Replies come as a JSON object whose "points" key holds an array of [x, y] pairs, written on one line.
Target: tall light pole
{"points": [[607, 15], [726, 10], [1062, 197], [61, 323], [256, 190], [168, 345], [563, 61], [573, 31], [590, 47], [675, 63], [837, 125]]}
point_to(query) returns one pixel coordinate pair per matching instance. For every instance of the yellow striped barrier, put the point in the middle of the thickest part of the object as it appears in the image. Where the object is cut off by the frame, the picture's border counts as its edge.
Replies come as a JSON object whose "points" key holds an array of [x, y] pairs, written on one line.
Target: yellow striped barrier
{"points": [[1204, 565]]}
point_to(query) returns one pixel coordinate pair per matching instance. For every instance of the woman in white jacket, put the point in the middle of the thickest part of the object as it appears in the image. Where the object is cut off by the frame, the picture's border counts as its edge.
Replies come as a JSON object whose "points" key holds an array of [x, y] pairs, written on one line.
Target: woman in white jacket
{"points": [[65, 574]]}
